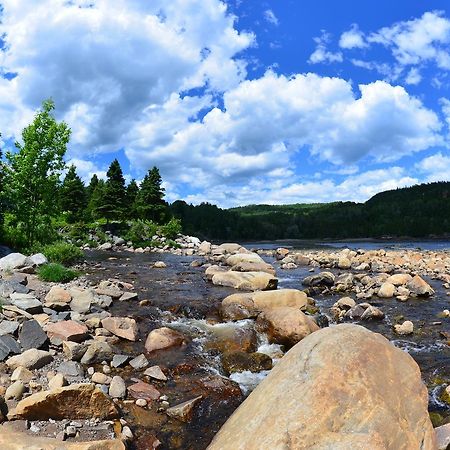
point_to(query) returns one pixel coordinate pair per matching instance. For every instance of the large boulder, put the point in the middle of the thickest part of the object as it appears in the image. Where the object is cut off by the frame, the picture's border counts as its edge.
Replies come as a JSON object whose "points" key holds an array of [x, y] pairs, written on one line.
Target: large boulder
{"points": [[238, 306], [420, 287], [77, 401], [281, 297], [340, 388], [322, 279], [163, 338], [11, 440], [13, 261], [244, 258], [246, 281], [286, 325]]}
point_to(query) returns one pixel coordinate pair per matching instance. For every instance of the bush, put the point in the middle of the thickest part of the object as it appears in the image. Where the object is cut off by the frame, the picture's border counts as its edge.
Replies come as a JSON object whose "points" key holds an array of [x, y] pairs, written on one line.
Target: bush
{"points": [[141, 232], [62, 253], [171, 229], [56, 273]]}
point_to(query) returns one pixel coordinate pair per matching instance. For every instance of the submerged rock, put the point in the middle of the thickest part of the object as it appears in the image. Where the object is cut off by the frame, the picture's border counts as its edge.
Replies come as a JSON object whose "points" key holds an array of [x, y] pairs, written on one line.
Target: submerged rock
{"points": [[241, 361], [184, 411], [326, 393]]}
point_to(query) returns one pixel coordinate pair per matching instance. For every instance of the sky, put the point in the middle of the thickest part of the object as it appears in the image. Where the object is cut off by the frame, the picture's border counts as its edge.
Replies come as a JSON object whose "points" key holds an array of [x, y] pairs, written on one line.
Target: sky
{"points": [[238, 102]]}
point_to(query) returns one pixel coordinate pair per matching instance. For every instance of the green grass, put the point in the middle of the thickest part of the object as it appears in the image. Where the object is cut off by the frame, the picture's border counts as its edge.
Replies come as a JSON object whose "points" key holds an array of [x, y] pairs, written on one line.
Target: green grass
{"points": [[62, 253], [56, 273]]}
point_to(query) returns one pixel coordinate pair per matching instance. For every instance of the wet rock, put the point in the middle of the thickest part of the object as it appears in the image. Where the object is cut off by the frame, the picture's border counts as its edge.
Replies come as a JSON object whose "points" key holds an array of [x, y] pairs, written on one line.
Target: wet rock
{"points": [[162, 338], [238, 306], [32, 335], [156, 373], [320, 279], [67, 330], [144, 390], [128, 296], [77, 401], [407, 327], [117, 388], [246, 281], [240, 361], [184, 411], [159, 265], [420, 287], [140, 362], [123, 327], [364, 311], [228, 338], [13, 261], [286, 325], [339, 308], [381, 405], [30, 359], [387, 290]]}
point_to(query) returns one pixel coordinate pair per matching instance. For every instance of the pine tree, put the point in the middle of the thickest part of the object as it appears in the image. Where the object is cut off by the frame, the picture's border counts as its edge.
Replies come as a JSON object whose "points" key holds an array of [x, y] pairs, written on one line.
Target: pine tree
{"points": [[150, 201], [95, 198], [91, 187], [132, 192], [73, 199], [112, 204]]}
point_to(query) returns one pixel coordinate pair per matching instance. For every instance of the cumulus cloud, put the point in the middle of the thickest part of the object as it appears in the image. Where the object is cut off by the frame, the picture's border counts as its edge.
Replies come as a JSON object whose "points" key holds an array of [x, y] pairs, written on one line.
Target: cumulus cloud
{"points": [[353, 38], [105, 62], [435, 167], [414, 77], [321, 54]]}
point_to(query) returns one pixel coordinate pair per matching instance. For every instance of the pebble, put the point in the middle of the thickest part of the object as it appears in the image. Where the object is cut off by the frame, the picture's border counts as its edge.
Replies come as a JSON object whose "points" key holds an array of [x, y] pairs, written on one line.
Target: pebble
{"points": [[91, 371], [141, 402]]}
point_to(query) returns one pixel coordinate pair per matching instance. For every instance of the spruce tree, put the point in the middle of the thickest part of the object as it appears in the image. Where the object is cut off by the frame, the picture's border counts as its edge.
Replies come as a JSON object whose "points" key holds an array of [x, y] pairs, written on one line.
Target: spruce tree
{"points": [[112, 204], [150, 202], [91, 187], [73, 199], [95, 198], [132, 192]]}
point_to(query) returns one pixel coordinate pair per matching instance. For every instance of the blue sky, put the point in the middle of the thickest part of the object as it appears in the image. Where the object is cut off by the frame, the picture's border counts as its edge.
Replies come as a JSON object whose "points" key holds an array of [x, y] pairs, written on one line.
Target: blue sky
{"points": [[243, 102]]}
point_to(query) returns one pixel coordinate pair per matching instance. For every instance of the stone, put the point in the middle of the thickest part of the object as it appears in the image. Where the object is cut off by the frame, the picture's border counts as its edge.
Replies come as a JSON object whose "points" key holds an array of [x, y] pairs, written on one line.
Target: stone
{"points": [[281, 297], [399, 279], [10, 286], [326, 393], [74, 351], [241, 361], [128, 296], [22, 374], [212, 270], [101, 378], [15, 391], [32, 335], [71, 369], [12, 440], [26, 302], [82, 300], [117, 388], [119, 360], [140, 362], [163, 338], [105, 246], [144, 390], [38, 259], [123, 327], [13, 261], [159, 265], [141, 402], [8, 327], [184, 411], [344, 263], [30, 359], [420, 287], [443, 436], [67, 330], [56, 382], [8, 345], [253, 267], [156, 373], [96, 352], [320, 279], [286, 325], [246, 281], [238, 306], [387, 290], [58, 298], [238, 258], [77, 401], [226, 248], [407, 327]]}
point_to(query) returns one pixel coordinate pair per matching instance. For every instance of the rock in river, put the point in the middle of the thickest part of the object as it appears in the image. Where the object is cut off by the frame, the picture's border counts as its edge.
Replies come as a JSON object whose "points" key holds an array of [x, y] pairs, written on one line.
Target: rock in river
{"points": [[246, 281], [340, 388], [162, 338], [123, 327]]}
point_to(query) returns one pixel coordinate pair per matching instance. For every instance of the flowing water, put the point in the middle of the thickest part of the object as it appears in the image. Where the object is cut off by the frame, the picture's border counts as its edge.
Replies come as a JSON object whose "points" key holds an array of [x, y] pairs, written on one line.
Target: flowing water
{"points": [[179, 296]]}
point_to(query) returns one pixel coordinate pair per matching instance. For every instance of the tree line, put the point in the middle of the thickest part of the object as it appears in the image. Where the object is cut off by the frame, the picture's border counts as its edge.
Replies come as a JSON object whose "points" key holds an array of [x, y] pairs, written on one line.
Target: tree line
{"points": [[37, 197]]}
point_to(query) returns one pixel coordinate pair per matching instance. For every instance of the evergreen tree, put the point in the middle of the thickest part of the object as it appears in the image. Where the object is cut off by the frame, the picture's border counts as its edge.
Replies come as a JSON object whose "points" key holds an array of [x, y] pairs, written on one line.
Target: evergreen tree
{"points": [[95, 198], [112, 204], [73, 196], [91, 187], [132, 192], [150, 201]]}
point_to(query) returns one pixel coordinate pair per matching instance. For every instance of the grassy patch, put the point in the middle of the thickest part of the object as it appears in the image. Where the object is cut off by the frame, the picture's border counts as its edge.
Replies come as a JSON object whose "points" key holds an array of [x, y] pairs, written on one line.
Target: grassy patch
{"points": [[56, 273], [62, 253]]}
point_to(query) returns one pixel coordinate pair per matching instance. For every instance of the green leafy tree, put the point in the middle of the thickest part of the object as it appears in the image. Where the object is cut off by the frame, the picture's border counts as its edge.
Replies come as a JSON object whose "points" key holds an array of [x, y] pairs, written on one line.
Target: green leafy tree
{"points": [[32, 174], [73, 196], [132, 193], [112, 205], [150, 201]]}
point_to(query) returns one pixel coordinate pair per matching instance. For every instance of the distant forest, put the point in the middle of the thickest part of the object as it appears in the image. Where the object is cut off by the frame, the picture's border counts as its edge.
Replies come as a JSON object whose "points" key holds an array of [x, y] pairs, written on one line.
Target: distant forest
{"points": [[418, 211]]}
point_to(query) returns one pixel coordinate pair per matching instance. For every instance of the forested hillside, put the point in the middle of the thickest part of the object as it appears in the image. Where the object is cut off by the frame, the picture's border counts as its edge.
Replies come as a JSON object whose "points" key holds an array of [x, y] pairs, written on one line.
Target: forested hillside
{"points": [[418, 211]]}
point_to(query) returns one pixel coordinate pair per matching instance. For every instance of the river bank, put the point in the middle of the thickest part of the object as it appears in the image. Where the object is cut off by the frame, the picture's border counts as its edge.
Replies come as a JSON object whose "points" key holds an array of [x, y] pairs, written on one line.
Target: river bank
{"points": [[166, 290]]}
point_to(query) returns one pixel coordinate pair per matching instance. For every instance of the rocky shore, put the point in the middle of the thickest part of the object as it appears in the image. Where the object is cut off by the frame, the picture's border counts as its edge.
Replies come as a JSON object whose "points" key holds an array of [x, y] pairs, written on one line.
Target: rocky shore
{"points": [[112, 361]]}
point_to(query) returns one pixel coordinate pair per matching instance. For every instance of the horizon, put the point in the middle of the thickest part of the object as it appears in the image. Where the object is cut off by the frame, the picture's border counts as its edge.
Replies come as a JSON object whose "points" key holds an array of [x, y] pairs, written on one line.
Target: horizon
{"points": [[358, 96]]}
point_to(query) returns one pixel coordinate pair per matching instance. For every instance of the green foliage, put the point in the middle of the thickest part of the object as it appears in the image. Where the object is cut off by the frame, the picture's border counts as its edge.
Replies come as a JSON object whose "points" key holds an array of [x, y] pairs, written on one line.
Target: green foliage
{"points": [[62, 253], [171, 229], [150, 204], [73, 196], [56, 273], [132, 192], [112, 199], [141, 232], [32, 174]]}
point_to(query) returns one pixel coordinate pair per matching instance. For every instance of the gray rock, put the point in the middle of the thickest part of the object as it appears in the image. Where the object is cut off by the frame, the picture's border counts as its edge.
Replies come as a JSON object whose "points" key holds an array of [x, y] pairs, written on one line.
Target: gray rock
{"points": [[140, 362], [26, 302], [81, 300], [105, 246], [10, 286], [13, 261], [156, 373], [98, 351], [8, 327], [119, 360], [32, 335], [30, 359], [38, 259], [117, 388], [71, 369], [10, 344]]}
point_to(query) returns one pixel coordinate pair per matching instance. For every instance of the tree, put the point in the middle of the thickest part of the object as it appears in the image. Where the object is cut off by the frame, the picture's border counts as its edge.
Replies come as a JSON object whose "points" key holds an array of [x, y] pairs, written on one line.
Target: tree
{"points": [[112, 204], [73, 198], [95, 198], [33, 171], [91, 187], [150, 201], [132, 192]]}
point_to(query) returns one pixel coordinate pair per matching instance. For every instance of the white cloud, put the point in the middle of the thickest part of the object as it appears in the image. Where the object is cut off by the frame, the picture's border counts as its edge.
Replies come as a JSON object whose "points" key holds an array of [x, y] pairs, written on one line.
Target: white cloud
{"points": [[414, 77], [353, 38], [105, 64], [435, 167], [86, 169], [321, 54], [270, 17]]}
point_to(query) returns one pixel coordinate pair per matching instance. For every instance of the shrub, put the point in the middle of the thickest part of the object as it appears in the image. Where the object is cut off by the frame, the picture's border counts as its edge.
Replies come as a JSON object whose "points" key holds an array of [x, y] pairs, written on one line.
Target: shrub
{"points": [[171, 229], [141, 232], [56, 273], [62, 253]]}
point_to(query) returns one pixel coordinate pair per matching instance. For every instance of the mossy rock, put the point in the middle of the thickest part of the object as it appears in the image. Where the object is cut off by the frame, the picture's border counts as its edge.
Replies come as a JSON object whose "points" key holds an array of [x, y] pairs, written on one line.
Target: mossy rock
{"points": [[241, 361], [436, 419]]}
